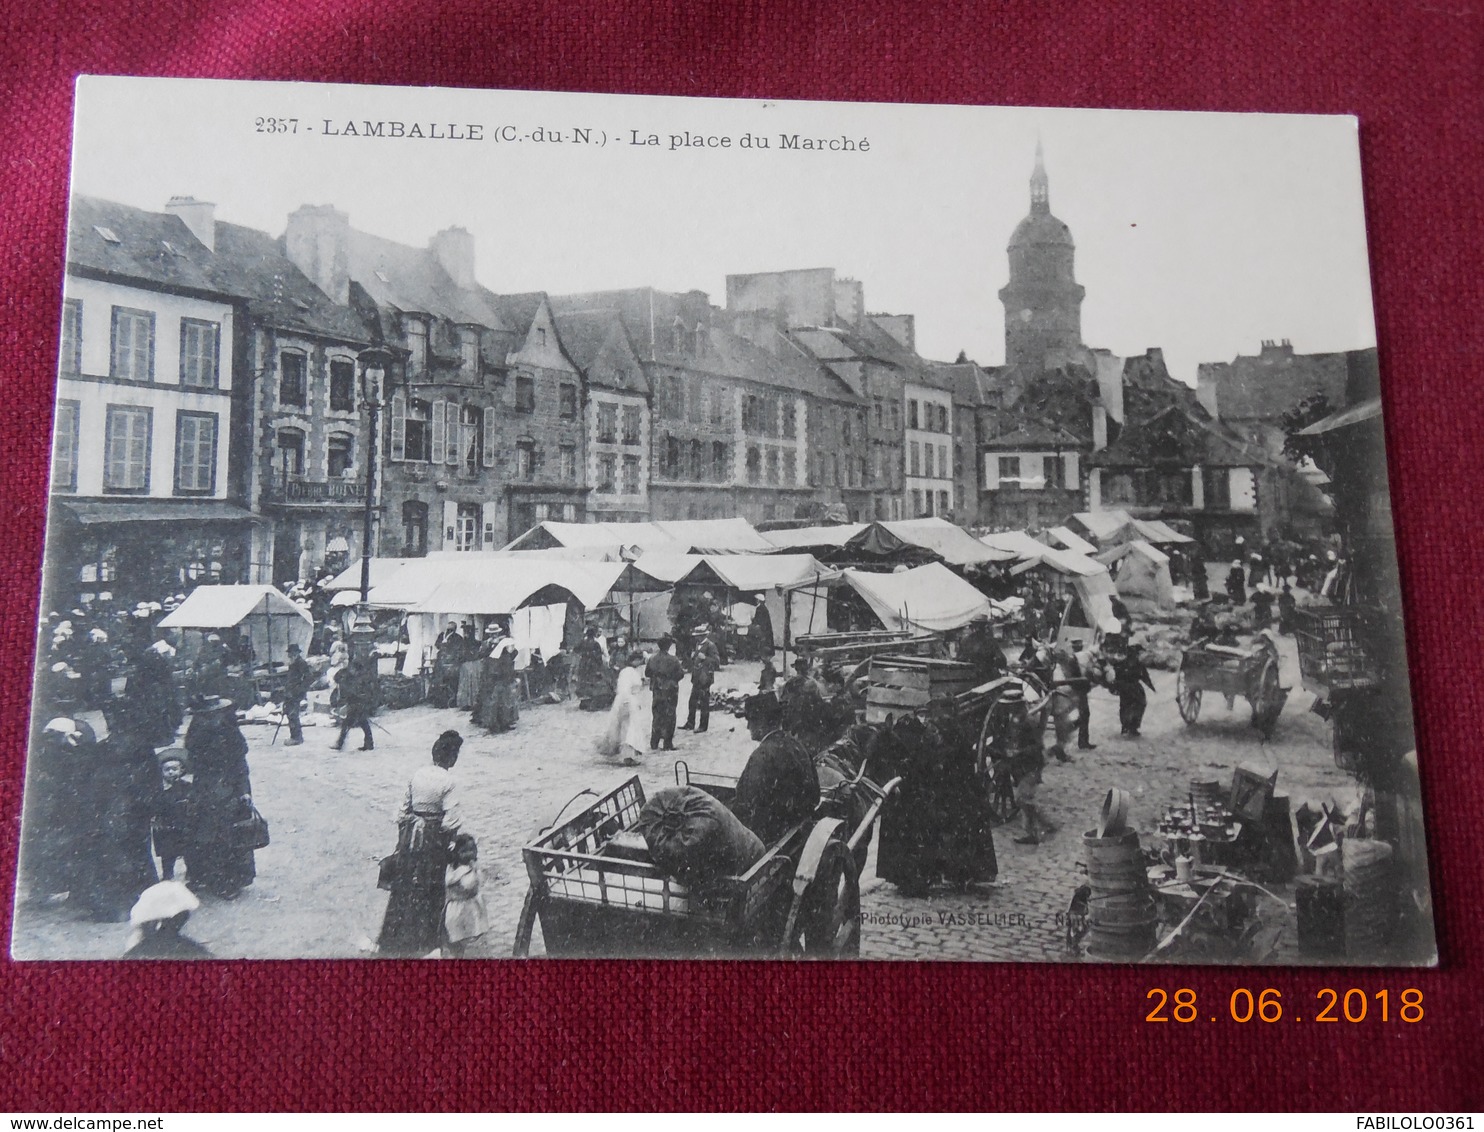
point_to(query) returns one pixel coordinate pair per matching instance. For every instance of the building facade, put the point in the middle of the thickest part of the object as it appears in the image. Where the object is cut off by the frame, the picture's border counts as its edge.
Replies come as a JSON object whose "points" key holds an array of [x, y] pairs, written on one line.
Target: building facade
{"points": [[146, 500], [447, 456], [616, 422]]}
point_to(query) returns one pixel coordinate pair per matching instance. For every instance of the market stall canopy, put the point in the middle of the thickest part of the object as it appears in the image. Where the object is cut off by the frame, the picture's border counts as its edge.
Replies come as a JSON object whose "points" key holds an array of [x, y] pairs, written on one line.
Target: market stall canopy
{"points": [[1143, 571], [926, 598], [1065, 562], [382, 570], [1345, 418], [505, 586], [941, 538], [1018, 543], [1064, 538], [1114, 527], [272, 621], [836, 534], [753, 573], [678, 536]]}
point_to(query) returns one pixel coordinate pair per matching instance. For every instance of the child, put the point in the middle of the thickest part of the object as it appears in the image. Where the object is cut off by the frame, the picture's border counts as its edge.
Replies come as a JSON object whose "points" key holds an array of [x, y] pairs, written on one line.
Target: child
{"points": [[174, 816], [464, 915]]}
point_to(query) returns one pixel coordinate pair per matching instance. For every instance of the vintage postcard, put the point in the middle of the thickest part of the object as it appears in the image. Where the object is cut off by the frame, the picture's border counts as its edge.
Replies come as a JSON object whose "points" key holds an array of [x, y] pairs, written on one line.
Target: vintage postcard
{"points": [[492, 524]]}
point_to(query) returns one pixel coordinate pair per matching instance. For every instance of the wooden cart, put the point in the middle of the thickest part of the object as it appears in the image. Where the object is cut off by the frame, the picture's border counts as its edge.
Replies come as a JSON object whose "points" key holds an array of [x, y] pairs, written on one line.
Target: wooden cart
{"points": [[597, 894], [1250, 671]]}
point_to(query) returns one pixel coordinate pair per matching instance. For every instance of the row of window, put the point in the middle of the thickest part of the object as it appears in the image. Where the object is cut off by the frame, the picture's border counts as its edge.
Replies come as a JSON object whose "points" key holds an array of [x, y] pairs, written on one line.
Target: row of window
{"points": [[695, 461], [615, 478], [131, 349], [290, 447], [608, 422], [127, 445], [832, 469], [927, 416], [928, 503], [769, 415], [691, 399], [772, 466], [928, 459], [1149, 487], [1053, 473], [293, 382]]}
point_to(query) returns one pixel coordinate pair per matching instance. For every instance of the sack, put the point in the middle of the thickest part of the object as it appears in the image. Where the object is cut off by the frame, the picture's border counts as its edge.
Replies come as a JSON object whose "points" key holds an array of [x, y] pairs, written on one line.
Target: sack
{"points": [[778, 788], [389, 872], [250, 832], [694, 838]]}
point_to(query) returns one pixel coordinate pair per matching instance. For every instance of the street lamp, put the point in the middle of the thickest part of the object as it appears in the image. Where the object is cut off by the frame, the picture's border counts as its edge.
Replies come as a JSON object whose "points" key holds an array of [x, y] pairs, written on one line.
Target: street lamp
{"points": [[373, 363]]}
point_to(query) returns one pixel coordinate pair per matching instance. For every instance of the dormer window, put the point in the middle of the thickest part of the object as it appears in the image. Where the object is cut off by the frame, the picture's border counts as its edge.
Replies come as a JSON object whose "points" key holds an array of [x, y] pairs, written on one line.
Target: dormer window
{"points": [[677, 336], [540, 335], [107, 233]]}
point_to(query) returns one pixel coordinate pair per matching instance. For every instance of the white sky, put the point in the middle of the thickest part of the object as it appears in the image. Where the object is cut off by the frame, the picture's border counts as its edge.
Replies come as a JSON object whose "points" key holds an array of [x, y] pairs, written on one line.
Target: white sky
{"points": [[1200, 233]]}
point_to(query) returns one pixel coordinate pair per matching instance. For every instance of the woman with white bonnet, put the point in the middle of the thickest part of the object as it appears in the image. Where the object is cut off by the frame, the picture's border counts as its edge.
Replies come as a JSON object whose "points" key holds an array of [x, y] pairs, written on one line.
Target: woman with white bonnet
{"points": [[157, 918]]}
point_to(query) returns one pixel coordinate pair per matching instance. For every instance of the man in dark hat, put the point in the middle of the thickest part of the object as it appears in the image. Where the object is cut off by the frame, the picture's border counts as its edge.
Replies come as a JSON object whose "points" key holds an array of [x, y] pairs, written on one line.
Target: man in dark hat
{"points": [[296, 681], [705, 659], [1130, 678], [664, 673], [358, 690]]}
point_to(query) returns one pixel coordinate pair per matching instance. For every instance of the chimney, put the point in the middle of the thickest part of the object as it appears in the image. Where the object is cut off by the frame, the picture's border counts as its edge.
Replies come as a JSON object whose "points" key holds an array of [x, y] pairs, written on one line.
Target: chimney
{"points": [[317, 242], [197, 215], [850, 301], [454, 249]]}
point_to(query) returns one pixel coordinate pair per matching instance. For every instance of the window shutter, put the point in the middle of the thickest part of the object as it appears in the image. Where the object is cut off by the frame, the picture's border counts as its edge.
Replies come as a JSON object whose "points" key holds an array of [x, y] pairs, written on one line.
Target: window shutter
{"points": [[1074, 473], [991, 471], [456, 439], [488, 456], [489, 515], [450, 522], [439, 420], [399, 426]]}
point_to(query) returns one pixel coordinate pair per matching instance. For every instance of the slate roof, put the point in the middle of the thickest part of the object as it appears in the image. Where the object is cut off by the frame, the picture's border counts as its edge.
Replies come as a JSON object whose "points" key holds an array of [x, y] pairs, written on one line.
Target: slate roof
{"points": [[963, 380], [1032, 435], [583, 335], [1196, 441], [411, 279], [140, 252], [281, 295], [649, 316], [1265, 386], [156, 248]]}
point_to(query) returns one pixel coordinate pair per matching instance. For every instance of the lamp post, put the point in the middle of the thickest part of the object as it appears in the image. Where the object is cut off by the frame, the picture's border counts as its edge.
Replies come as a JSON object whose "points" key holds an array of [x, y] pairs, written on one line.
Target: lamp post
{"points": [[373, 365]]}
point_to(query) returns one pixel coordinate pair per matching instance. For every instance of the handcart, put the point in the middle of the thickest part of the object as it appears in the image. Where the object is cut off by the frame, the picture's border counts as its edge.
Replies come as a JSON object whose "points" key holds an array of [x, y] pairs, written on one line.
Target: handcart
{"points": [[1250, 671], [597, 894]]}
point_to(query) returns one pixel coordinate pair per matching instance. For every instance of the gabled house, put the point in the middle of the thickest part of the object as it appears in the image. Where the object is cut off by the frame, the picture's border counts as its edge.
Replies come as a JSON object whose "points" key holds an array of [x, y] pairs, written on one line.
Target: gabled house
{"points": [[615, 414]]}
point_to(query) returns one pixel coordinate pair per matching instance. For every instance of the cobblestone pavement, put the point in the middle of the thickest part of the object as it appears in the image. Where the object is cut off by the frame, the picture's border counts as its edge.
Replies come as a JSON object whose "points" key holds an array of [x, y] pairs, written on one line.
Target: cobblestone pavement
{"points": [[332, 818]]}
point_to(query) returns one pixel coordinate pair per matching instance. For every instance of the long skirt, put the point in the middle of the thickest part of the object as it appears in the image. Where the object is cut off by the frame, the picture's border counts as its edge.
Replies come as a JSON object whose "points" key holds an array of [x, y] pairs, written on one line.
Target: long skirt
{"points": [[498, 709], [468, 688], [413, 924]]}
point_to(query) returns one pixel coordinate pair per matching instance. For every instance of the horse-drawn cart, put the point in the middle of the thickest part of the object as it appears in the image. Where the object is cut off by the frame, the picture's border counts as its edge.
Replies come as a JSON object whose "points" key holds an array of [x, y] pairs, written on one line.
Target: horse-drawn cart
{"points": [[597, 893], [1232, 670]]}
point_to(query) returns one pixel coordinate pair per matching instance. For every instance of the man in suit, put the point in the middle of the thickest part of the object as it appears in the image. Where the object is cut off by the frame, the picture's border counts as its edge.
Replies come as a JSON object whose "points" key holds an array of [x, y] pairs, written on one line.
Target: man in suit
{"points": [[705, 660], [664, 673]]}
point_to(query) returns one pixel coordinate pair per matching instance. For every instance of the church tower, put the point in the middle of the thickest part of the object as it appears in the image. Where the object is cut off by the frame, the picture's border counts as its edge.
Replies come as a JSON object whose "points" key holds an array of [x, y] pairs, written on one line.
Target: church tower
{"points": [[1043, 301]]}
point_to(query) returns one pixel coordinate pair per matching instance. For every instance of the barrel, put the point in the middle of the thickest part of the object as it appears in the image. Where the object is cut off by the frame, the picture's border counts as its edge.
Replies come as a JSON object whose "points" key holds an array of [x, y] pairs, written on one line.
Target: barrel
{"points": [[1321, 916], [1121, 914], [1370, 898]]}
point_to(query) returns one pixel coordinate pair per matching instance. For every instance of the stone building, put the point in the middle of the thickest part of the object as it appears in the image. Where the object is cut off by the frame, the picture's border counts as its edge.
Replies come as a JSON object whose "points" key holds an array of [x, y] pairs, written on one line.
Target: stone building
{"points": [[1032, 473], [304, 453], [1252, 392], [445, 437], [540, 417], [616, 413], [146, 496], [729, 418]]}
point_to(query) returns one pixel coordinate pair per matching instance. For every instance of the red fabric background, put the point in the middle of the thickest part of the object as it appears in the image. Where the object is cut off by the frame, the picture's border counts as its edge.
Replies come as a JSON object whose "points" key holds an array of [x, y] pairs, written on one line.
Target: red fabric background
{"points": [[364, 1035]]}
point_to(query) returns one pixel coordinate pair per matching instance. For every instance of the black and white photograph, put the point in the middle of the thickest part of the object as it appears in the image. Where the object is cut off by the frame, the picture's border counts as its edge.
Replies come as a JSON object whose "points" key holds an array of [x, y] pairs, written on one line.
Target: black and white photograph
{"points": [[496, 524]]}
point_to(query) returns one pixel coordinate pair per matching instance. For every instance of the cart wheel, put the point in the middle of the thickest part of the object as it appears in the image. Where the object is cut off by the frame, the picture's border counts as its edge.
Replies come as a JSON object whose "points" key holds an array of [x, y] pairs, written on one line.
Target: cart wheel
{"points": [[824, 921], [1267, 699], [1187, 698], [1076, 916], [525, 925]]}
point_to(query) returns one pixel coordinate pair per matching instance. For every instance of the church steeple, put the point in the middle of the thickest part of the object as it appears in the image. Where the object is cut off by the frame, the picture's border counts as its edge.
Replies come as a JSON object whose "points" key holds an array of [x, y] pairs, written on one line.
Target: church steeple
{"points": [[1043, 300], [1040, 189]]}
